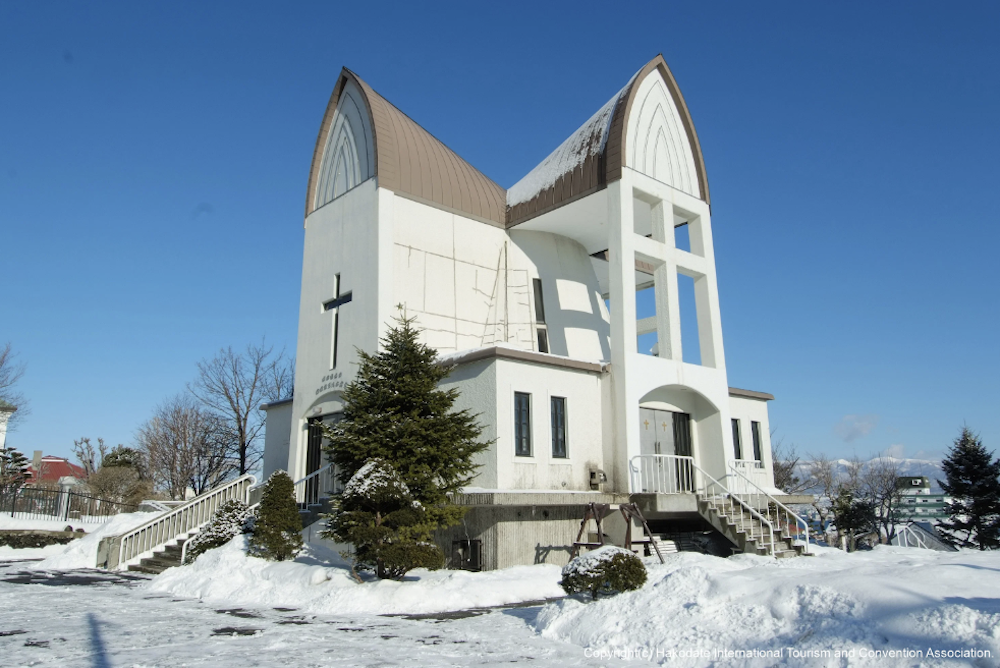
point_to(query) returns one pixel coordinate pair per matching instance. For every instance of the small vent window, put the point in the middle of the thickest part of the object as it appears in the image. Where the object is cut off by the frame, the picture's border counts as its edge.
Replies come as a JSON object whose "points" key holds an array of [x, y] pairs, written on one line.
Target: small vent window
{"points": [[467, 555]]}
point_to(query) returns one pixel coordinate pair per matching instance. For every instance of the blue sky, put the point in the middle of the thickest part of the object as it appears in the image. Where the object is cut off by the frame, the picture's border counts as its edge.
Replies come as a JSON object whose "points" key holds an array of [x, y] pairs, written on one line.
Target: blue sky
{"points": [[153, 165]]}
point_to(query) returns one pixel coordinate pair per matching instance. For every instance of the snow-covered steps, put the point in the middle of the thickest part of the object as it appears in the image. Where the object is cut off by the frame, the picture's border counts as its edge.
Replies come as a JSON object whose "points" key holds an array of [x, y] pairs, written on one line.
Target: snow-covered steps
{"points": [[745, 530], [162, 559]]}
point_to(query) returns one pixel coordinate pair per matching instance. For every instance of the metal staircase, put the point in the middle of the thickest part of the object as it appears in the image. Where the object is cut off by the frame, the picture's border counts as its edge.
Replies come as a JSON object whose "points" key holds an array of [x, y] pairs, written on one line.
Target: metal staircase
{"points": [[159, 543], [748, 516]]}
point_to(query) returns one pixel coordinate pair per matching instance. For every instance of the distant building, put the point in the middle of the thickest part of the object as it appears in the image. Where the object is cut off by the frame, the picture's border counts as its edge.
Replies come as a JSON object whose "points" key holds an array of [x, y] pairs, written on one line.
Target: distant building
{"points": [[48, 469], [918, 503], [6, 413]]}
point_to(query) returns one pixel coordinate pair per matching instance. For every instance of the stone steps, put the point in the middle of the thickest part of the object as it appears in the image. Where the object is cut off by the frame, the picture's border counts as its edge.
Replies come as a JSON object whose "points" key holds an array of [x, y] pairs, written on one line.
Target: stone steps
{"points": [[162, 559]]}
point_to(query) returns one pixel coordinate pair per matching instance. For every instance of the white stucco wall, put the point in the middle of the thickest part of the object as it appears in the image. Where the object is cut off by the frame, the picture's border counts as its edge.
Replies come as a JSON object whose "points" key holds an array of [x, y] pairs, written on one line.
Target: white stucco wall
{"points": [[341, 237], [276, 438], [541, 470], [748, 410], [469, 284]]}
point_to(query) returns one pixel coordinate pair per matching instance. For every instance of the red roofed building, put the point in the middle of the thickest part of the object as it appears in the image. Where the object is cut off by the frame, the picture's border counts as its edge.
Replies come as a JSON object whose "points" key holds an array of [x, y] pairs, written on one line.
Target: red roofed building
{"points": [[49, 469]]}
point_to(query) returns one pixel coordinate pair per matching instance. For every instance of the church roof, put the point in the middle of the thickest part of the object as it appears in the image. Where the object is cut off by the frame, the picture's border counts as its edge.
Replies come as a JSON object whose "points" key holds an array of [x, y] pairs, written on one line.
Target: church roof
{"points": [[410, 160], [593, 156]]}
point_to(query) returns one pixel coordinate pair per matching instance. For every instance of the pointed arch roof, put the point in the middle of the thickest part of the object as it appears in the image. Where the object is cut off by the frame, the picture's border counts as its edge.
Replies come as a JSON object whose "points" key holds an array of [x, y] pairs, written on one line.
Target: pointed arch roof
{"points": [[594, 155], [412, 161]]}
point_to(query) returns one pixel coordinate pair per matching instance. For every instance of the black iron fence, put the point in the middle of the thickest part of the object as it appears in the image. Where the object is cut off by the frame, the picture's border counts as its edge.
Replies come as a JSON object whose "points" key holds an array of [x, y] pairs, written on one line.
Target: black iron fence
{"points": [[55, 504]]}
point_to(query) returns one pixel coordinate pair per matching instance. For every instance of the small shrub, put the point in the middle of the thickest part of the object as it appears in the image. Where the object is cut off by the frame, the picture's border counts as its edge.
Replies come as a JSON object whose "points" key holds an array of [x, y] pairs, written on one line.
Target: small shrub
{"points": [[230, 520], [26, 539], [388, 528], [277, 531], [605, 571]]}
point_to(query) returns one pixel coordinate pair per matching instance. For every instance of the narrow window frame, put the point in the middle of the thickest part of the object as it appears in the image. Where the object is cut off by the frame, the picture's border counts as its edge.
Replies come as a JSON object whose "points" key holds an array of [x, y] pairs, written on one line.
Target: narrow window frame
{"points": [[737, 439], [558, 422], [522, 424], [758, 448]]}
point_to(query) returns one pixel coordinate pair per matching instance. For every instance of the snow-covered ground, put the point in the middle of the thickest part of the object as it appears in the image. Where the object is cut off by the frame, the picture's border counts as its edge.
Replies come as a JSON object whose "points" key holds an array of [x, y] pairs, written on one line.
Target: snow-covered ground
{"points": [[695, 609], [888, 607], [67, 622], [227, 574]]}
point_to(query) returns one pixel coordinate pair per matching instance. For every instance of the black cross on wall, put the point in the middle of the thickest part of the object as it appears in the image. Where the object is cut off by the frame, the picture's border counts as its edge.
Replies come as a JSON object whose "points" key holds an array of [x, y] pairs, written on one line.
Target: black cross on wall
{"points": [[334, 305]]}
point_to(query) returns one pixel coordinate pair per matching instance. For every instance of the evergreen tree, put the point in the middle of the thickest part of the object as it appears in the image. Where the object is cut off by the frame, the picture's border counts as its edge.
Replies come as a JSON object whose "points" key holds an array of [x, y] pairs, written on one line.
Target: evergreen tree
{"points": [[395, 412], [853, 516], [13, 474], [388, 528], [277, 532], [230, 520], [973, 483]]}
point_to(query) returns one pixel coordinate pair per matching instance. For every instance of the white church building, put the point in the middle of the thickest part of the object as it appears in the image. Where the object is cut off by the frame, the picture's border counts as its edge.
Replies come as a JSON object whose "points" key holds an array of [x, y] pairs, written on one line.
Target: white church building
{"points": [[531, 292]]}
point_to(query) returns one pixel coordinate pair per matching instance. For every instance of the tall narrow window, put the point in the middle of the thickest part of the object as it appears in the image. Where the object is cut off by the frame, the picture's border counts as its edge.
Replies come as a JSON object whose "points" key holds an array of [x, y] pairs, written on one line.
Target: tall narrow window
{"points": [[542, 330], [539, 302], [737, 445], [559, 427], [522, 424], [755, 429]]}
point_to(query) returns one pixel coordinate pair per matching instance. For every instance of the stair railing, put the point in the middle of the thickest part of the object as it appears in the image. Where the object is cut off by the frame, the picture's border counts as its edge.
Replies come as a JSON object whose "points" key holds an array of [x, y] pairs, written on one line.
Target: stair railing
{"points": [[141, 541], [676, 474], [738, 511], [662, 474], [790, 524], [316, 485]]}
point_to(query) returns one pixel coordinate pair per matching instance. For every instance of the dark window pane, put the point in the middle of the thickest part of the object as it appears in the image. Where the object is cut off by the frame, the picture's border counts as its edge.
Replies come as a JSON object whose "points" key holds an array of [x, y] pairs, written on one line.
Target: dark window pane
{"points": [[755, 428], [559, 427], [737, 446], [543, 341], [539, 304], [522, 424]]}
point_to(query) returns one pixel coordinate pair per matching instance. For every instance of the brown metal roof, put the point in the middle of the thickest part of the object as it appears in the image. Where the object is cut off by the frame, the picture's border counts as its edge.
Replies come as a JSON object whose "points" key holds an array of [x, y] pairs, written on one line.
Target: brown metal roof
{"points": [[602, 147], [750, 394], [409, 160]]}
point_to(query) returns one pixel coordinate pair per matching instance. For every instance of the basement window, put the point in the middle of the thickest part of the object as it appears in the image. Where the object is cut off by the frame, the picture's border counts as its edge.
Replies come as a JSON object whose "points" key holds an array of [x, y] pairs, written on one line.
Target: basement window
{"points": [[467, 555]]}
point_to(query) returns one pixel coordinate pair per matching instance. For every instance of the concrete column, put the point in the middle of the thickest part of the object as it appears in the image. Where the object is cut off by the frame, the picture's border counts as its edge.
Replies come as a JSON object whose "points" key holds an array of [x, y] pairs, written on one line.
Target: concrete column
{"points": [[668, 320], [621, 260], [706, 294]]}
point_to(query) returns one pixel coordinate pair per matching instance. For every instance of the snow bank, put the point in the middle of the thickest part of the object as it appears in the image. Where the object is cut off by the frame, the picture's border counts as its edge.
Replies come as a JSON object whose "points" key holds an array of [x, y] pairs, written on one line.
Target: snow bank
{"points": [[889, 599], [8, 553], [21, 524], [82, 553], [228, 574]]}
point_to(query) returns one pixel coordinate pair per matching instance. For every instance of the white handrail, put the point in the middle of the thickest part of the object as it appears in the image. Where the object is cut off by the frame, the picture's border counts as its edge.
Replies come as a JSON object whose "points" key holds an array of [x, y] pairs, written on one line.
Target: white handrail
{"points": [[677, 474], [141, 541], [746, 487], [665, 474], [321, 482]]}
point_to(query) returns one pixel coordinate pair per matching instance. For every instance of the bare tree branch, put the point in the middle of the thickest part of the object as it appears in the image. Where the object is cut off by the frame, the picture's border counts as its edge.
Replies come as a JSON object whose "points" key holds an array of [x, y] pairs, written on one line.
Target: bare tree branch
{"points": [[233, 385], [90, 458], [11, 371], [186, 446]]}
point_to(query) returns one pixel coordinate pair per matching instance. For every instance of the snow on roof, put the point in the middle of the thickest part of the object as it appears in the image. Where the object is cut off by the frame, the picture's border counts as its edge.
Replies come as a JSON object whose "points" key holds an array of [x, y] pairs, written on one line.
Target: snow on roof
{"points": [[588, 140]]}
